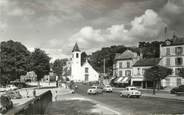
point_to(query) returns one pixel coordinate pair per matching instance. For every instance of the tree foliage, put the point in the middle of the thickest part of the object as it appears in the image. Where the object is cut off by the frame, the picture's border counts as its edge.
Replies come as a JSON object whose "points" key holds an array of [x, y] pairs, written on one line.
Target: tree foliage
{"points": [[40, 63], [14, 60], [58, 66], [84, 56], [150, 49], [157, 73]]}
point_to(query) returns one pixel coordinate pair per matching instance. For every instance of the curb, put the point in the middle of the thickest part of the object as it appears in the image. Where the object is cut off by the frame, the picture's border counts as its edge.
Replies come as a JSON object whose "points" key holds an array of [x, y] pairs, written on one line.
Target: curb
{"points": [[156, 96]]}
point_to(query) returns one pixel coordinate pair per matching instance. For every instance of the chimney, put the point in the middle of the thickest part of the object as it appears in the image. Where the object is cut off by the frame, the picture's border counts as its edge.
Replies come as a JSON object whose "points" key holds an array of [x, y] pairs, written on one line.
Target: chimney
{"points": [[174, 36], [141, 54]]}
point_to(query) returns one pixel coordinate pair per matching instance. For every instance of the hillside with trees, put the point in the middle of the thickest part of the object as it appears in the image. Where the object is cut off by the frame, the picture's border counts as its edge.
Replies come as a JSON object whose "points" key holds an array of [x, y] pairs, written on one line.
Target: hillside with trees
{"points": [[148, 49]]}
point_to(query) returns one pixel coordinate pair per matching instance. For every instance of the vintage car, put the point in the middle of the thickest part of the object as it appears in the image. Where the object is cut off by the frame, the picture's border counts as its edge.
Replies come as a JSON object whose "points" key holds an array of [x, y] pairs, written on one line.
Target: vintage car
{"points": [[176, 90], [130, 92], [11, 87], [5, 104], [95, 90], [107, 88], [14, 94]]}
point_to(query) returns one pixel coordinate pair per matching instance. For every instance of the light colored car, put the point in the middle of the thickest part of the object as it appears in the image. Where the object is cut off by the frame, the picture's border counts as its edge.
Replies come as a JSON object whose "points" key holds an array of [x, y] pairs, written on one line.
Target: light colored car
{"points": [[107, 88], [130, 92], [95, 90], [14, 94], [11, 87]]}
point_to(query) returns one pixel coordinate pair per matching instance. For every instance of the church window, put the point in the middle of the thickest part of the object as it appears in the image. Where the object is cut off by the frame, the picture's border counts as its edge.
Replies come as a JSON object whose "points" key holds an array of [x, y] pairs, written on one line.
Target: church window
{"points": [[86, 77], [86, 70], [77, 55]]}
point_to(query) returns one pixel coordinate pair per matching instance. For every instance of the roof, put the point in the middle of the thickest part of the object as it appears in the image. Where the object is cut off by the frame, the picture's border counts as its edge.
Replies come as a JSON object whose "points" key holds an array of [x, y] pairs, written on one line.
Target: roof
{"points": [[147, 62], [76, 48], [174, 41], [125, 55]]}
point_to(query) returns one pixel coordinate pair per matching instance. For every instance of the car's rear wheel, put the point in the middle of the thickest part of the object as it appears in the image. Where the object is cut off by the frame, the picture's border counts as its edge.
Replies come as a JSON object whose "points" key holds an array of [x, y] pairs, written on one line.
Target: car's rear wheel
{"points": [[138, 96], [128, 96], [121, 95]]}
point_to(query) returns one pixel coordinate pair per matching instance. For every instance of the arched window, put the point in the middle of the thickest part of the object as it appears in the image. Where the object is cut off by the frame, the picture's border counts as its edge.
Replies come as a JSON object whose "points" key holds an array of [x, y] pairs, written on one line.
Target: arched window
{"points": [[77, 55]]}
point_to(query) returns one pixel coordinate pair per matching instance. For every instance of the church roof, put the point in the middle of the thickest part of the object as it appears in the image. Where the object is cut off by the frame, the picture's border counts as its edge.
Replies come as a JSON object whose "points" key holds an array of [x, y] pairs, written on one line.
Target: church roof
{"points": [[76, 48]]}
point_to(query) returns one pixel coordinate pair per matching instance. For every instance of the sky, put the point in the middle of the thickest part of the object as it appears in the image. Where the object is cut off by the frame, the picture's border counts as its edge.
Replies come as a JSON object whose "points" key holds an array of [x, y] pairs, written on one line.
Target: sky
{"points": [[56, 25]]}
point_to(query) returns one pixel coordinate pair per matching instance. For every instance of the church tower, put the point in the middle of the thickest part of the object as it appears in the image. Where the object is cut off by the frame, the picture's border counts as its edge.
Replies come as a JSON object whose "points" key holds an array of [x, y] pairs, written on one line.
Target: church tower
{"points": [[76, 63]]}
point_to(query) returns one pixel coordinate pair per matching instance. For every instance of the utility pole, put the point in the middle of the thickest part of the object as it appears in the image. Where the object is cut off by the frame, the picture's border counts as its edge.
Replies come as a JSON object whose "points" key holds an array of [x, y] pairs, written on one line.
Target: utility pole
{"points": [[104, 66]]}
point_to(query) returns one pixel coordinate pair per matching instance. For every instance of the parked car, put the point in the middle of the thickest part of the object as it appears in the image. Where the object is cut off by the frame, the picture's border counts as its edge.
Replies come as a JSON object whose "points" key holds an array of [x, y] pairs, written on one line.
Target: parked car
{"points": [[95, 90], [14, 94], [107, 88], [177, 89], [130, 92], [2, 88], [11, 87], [5, 103]]}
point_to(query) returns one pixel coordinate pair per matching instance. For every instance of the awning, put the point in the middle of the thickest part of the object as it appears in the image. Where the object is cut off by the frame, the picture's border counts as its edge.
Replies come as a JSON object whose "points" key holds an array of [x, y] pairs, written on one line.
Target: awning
{"points": [[122, 79]]}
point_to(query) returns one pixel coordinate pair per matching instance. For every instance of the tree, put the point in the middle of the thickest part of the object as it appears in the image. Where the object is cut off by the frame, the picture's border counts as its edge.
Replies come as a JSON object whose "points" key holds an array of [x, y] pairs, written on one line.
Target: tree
{"points": [[156, 74], [40, 63], [14, 61], [83, 57], [58, 67], [150, 49], [181, 72]]}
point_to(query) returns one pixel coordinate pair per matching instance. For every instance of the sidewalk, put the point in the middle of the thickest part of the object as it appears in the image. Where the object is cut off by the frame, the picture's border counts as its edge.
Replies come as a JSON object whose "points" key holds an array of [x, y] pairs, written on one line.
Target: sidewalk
{"points": [[165, 96], [159, 94]]}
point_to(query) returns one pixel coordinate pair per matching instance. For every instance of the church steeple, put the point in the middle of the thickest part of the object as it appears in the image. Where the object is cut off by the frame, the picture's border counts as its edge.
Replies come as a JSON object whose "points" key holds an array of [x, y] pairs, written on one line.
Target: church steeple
{"points": [[76, 48]]}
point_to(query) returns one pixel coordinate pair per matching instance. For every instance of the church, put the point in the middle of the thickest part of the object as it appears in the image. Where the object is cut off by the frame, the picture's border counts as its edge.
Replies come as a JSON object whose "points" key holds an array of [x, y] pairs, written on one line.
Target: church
{"points": [[79, 72]]}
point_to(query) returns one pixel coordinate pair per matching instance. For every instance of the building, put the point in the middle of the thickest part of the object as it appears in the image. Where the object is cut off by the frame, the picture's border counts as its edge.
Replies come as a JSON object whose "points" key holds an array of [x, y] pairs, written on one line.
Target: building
{"points": [[123, 65], [81, 73], [29, 77], [138, 72], [172, 55]]}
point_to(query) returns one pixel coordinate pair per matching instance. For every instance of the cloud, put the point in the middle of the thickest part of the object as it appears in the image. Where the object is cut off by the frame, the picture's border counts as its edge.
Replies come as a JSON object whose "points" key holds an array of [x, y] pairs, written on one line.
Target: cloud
{"points": [[3, 25], [173, 14], [145, 27]]}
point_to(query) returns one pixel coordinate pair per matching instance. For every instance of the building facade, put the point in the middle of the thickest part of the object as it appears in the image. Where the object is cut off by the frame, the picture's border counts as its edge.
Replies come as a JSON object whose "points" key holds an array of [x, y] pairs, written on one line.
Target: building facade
{"points": [[81, 73], [138, 72], [172, 55], [123, 66], [29, 77]]}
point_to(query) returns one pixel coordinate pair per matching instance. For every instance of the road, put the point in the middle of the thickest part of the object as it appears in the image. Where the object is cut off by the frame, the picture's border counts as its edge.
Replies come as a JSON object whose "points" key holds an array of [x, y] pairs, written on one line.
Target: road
{"points": [[141, 106]]}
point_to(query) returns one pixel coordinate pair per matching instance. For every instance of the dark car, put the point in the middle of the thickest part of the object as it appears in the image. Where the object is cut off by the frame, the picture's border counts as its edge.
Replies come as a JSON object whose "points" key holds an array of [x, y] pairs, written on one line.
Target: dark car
{"points": [[177, 89], [5, 103]]}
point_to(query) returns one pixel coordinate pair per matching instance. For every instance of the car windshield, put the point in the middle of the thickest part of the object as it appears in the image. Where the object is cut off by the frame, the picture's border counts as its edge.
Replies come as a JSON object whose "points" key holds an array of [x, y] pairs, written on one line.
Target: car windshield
{"points": [[181, 86], [133, 88], [107, 86], [93, 87]]}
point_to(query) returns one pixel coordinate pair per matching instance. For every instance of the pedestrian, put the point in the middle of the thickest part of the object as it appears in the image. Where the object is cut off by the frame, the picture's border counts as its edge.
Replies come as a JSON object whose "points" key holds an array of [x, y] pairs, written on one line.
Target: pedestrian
{"points": [[34, 92], [27, 93]]}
